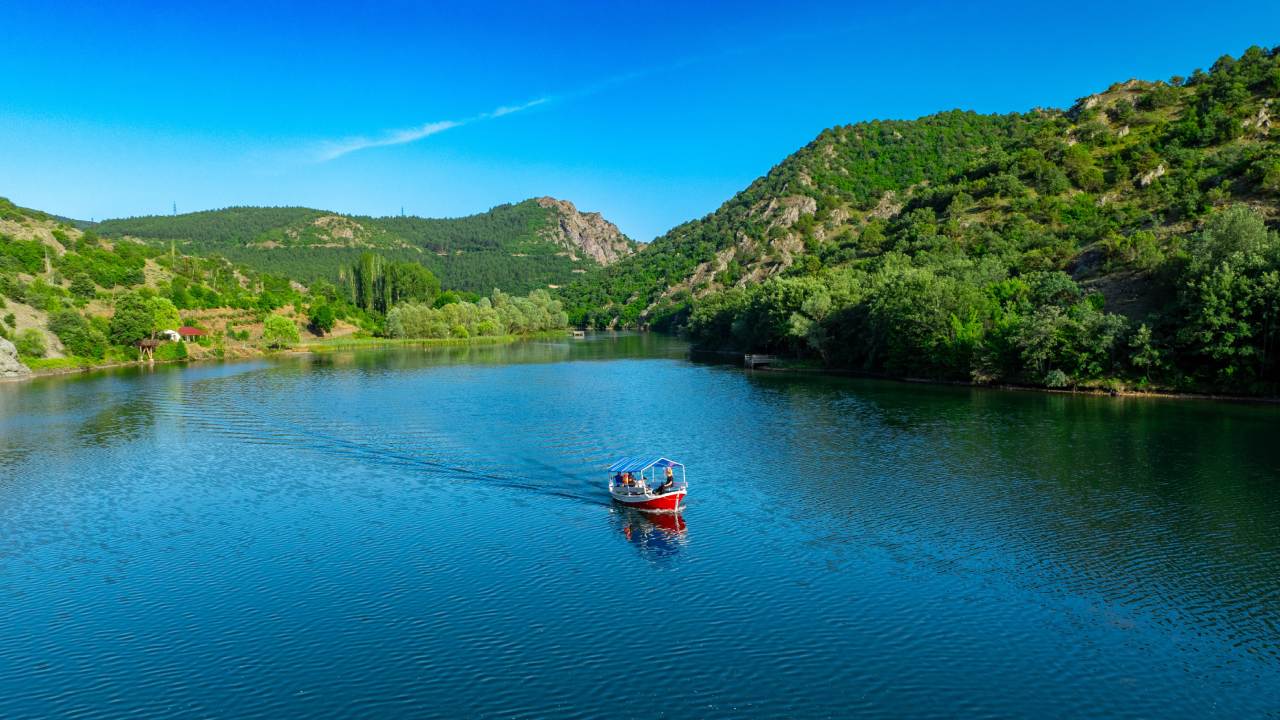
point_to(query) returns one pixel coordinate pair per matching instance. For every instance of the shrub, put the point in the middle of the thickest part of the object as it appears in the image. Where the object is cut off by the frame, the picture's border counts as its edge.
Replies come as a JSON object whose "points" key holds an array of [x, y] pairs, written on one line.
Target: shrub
{"points": [[30, 343], [1056, 379], [78, 335], [82, 286], [172, 351]]}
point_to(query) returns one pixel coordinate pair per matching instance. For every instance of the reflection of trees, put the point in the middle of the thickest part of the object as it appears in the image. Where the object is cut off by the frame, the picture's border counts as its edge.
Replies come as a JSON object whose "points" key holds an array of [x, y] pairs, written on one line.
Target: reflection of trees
{"points": [[545, 350], [1159, 503], [118, 422]]}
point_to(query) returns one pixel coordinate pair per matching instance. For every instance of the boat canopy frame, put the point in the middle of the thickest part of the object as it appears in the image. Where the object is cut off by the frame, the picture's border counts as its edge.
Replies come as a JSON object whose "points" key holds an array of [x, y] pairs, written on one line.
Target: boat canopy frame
{"points": [[640, 463]]}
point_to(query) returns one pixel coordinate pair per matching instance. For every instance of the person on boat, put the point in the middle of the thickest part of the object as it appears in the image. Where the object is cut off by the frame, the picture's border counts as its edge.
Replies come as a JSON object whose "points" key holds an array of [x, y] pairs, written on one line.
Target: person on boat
{"points": [[669, 484]]}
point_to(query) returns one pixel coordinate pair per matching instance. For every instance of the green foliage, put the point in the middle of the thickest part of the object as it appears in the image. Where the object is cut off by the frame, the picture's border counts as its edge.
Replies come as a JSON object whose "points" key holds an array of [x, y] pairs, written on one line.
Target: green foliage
{"points": [[321, 319], [171, 351], [996, 185], [120, 266], [501, 315], [239, 225], [955, 246], [82, 286], [1140, 249], [133, 320], [1080, 167], [377, 285], [164, 314], [963, 320], [1230, 302], [30, 343], [503, 247], [78, 335], [279, 332], [21, 255]]}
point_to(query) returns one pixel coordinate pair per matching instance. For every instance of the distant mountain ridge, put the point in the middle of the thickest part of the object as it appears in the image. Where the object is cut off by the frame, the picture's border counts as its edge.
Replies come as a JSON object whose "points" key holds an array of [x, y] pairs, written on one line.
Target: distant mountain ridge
{"points": [[518, 247]]}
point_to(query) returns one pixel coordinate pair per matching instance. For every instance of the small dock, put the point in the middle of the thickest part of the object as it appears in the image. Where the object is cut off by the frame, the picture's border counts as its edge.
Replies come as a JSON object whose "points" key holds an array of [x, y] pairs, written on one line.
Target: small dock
{"points": [[752, 361], [578, 334]]}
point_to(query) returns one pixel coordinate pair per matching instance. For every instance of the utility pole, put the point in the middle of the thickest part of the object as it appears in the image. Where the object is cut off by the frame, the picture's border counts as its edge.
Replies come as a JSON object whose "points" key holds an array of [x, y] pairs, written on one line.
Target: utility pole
{"points": [[175, 207]]}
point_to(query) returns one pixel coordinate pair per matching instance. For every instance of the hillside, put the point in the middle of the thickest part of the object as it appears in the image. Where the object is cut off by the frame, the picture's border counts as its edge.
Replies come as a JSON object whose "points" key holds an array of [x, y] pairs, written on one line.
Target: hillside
{"points": [[61, 289], [536, 243], [1121, 240], [69, 298]]}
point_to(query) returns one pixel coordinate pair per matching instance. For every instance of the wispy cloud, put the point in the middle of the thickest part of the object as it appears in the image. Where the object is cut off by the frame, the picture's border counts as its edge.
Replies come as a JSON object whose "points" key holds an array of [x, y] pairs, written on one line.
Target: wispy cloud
{"points": [[334, 149], [508, 109]]}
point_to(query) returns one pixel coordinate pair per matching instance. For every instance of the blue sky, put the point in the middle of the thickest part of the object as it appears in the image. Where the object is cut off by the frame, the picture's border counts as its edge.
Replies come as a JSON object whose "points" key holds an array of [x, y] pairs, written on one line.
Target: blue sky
{"points": [[652, 113]]}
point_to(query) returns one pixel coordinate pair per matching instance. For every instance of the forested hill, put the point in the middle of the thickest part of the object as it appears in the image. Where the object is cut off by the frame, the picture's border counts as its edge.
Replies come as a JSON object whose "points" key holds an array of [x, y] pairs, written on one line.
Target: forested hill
{"points": [[531, 244], [1122, 241], [70, 298]]}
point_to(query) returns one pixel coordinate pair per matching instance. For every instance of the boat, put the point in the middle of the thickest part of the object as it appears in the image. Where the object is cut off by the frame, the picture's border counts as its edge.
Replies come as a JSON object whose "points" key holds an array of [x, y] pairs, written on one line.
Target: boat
{"points": [[639, 482]]}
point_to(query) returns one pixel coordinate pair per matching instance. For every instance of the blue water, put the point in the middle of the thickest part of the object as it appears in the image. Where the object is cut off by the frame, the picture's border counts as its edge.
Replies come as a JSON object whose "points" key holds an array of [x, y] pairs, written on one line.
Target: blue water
{"points": [[426, 534]]}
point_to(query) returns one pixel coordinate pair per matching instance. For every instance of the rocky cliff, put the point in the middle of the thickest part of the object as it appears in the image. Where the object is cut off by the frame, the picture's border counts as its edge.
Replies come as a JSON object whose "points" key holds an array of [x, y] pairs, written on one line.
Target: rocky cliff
{"points": [[586, 234], [10, 367]]}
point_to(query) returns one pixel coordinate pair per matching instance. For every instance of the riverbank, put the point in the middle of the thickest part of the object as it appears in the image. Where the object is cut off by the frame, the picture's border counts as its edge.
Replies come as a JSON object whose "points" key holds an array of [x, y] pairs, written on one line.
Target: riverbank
{"points": [[1114, 389], [49, 367]]}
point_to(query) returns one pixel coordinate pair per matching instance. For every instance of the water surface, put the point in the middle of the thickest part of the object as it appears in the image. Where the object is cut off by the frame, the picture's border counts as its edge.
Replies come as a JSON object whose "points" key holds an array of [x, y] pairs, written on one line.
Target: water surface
{"points": [[426, 533]]}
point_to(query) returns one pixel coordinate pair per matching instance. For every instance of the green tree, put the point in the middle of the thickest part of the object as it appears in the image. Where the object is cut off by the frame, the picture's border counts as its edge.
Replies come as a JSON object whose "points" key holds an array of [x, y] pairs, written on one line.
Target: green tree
{"points": [[279, 332], [164, 315], [1230, 300], [82, 286], [134, 319], [321, 319]]}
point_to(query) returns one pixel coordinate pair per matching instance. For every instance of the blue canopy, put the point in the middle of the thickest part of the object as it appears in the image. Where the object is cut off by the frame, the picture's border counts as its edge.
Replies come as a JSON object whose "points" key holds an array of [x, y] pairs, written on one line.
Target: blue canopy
{"points": [[640, 463]]}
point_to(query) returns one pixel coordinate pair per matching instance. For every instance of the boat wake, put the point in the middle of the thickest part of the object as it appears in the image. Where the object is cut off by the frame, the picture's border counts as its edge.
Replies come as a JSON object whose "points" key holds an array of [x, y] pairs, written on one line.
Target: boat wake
{"points": [[296, 429]]}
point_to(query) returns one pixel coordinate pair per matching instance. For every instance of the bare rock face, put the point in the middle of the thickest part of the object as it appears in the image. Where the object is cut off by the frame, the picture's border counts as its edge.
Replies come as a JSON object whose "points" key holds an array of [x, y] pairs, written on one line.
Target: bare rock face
{"points": [[586, 234], [1150, 176], [10, 367]]}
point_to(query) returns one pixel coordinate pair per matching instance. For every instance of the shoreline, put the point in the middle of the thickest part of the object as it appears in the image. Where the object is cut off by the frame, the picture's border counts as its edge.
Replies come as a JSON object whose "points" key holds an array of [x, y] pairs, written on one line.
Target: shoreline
{"points": [[310, 348], [1013, 387], [722, 355]]}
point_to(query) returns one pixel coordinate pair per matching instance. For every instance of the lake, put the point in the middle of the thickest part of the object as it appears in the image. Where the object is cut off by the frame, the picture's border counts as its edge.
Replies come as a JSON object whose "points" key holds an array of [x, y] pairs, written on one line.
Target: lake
{"points": [[426, 532]]}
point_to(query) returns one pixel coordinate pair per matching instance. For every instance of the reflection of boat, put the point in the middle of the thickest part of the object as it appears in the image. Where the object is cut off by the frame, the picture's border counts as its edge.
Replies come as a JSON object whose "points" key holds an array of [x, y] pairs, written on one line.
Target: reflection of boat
{"points": [[633, 482], [657, 536]]}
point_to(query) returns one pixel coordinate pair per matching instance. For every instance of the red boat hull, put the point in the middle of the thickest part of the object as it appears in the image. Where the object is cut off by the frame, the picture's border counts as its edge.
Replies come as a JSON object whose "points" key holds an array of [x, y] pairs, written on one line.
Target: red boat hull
{"points": [[660, 503]]}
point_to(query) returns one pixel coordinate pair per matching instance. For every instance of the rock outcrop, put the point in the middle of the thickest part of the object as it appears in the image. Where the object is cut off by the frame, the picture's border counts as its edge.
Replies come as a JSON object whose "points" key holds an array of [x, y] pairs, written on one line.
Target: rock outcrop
{"points": [[10, 367], [586, 234]]}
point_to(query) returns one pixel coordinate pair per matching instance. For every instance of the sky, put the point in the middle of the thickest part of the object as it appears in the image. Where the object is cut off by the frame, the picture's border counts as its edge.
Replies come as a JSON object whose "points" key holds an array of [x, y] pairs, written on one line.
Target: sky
{"points": [[652, 113]]}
